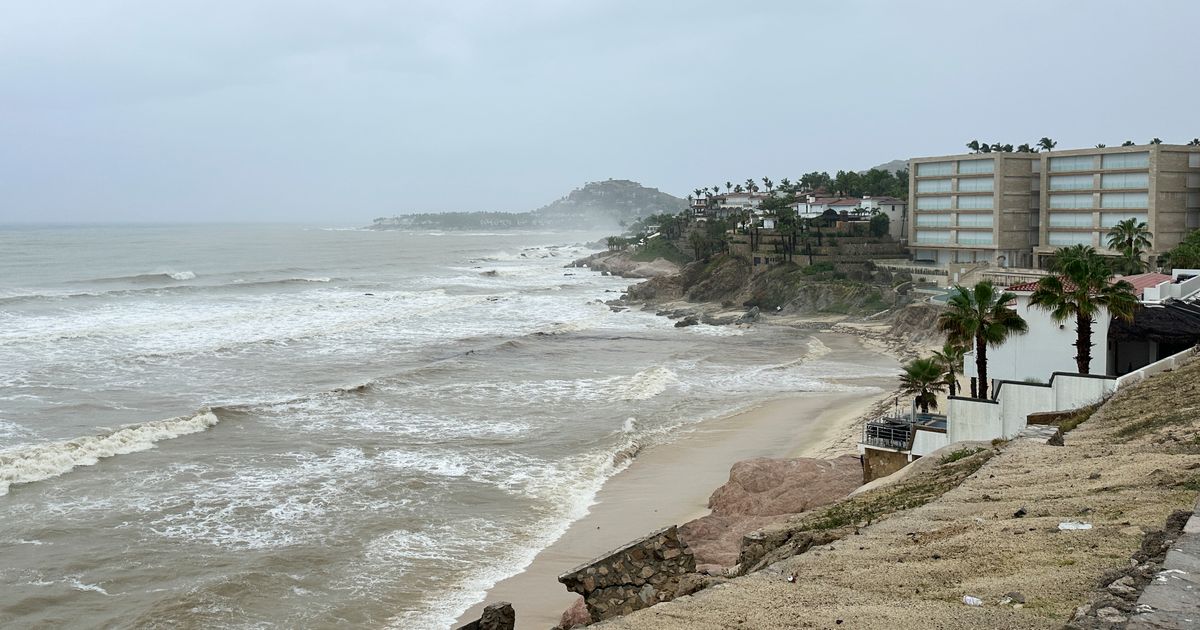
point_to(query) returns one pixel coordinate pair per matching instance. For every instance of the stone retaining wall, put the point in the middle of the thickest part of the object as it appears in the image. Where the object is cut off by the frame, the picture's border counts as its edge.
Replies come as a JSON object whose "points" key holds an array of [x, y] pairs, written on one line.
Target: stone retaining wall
{"points": [[645, 572]]}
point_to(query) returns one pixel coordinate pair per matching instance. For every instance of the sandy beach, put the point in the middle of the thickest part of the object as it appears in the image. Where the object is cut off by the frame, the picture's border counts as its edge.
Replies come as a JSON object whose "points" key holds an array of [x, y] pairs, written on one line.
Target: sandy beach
{"points": [[671, 483]]}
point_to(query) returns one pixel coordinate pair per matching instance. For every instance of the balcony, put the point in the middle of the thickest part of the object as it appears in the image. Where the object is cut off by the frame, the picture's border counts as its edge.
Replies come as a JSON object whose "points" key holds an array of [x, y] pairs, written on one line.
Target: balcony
{"points": [[896, 430]]}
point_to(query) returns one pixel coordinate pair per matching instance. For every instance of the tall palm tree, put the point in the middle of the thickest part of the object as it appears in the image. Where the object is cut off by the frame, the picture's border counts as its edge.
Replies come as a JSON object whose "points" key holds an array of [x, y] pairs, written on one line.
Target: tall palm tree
{"points": [[750, 185], [1101, 145], [973, 146], [980, 315], [923, 378], [785, 185], [950, 358], [1132, 238], [697, 192], [728, 186], [1194, 143], [1047, 144], [768, 184], [1156, 141], [1080, 288]]}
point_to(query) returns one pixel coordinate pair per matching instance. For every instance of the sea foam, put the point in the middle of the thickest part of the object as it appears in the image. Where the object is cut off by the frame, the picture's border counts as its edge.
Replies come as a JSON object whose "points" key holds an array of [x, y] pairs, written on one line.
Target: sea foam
{"points": [[44, 461]]}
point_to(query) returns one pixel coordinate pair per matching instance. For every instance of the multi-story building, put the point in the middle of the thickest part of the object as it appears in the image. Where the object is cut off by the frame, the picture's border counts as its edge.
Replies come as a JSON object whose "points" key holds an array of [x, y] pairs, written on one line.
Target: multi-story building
{"points": [[1084, 192], [974, 208]]}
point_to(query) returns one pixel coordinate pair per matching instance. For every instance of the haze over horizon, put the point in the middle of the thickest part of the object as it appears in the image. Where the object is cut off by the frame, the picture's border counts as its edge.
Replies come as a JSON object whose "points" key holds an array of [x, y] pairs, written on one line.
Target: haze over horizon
{"points": [[141, 111]]}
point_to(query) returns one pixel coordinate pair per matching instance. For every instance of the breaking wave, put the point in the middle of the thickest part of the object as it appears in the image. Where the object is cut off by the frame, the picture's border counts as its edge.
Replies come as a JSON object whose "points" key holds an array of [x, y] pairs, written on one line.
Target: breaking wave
{"points": [[44, 461]]}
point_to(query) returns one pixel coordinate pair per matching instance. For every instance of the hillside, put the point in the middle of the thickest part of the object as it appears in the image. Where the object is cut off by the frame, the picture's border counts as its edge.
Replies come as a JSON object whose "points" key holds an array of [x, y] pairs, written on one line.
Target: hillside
{"points": [[596, 205], [895, 166], [610, 202], [984, 522]]}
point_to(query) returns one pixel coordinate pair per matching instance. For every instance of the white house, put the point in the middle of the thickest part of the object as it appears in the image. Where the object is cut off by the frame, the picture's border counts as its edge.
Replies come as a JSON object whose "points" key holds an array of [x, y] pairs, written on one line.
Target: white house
{"points": [[1049, 346], [895, 209]]}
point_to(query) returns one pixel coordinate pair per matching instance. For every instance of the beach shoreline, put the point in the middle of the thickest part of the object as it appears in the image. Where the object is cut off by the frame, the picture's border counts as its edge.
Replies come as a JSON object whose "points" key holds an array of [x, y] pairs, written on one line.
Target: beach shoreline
{"points": [[670, 483]]}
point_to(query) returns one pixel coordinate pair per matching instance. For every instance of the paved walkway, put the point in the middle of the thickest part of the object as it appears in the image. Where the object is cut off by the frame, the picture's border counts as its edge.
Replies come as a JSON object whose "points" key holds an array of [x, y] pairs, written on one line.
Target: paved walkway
{"points": [[1172, 600]]}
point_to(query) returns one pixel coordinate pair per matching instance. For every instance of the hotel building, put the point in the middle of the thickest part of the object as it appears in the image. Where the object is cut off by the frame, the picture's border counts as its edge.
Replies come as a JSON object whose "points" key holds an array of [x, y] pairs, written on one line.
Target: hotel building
{"points": [[975, 208], [984, 207], [1087, 191]]}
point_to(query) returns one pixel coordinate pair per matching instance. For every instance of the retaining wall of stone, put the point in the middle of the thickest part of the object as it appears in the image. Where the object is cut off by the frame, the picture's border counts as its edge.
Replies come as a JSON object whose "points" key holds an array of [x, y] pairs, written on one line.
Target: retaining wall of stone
{"points": [[643, 573]]}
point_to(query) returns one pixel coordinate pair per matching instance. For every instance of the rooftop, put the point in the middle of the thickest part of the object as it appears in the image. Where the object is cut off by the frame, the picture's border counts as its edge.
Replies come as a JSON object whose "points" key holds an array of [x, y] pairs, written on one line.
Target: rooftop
{"points": [[1140, 282]]}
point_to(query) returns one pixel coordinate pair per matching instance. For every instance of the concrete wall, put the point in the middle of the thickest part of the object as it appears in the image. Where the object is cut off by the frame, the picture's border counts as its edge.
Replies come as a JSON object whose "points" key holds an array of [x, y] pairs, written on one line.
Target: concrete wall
{"points": [[643, 573], [1169, 363], [1005, 417], [879, 463], [1048, 347], [926, 442]]}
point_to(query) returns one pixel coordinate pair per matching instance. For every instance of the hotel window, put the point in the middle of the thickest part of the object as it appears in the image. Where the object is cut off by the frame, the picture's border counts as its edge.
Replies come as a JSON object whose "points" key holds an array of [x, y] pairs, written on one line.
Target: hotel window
{"points": [[976, 184], [1071, 201], [1125, 180], [1071, 219], [933, 203], [974, 220], [933, 186], [1127, 160], [934, 220], [973, 202], [974, 238], [1193, 180], [1073, 163], [1069, 238], [1194, 160], [1109, 219], [933, 236], [1071, 182], [935, 168], [1193, 200], [1125, 200], [975, 167]]}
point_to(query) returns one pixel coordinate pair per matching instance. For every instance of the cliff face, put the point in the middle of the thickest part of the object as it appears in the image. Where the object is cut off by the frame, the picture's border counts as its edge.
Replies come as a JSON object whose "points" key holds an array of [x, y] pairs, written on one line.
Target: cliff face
{"points": [[789, 289]]}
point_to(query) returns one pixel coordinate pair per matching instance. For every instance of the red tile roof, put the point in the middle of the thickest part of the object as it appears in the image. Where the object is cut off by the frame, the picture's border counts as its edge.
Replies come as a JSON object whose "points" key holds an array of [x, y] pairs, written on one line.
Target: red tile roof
{"points": [[1140, 282]]}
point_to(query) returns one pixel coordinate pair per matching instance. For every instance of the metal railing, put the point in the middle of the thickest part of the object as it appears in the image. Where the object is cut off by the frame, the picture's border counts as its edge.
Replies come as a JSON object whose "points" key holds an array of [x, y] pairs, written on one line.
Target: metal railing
{"points": [[887, 434]]}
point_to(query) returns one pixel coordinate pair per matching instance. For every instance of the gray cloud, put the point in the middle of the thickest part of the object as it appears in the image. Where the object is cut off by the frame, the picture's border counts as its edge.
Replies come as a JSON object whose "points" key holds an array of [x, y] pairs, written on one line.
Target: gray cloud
{"points": [[140, 110]]}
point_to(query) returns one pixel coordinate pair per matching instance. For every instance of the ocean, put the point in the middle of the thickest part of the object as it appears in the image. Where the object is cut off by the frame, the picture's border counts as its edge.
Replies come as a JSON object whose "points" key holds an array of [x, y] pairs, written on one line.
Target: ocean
{"points": [[266, 426]]}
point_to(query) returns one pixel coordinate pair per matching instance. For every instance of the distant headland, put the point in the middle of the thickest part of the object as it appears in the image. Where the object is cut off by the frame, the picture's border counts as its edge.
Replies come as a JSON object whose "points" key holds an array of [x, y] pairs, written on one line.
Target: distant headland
{"points": [[596, 205]]}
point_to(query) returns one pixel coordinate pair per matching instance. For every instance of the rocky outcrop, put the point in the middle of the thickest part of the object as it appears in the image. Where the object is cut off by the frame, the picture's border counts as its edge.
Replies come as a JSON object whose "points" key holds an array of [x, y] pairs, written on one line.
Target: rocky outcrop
{"points": [[576, 616], [647, 571], [620, 264], [763, 491], [498, 616]]}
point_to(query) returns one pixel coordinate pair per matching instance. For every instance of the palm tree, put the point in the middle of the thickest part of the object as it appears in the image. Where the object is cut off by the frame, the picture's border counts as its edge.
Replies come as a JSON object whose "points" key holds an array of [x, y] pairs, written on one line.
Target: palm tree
{"points": [[768, 184], [923, 378], [1194, 143], [973, 146], [750, 185], [1130, 237], [1156, 141], [728, 186], [1047, 144], [950, 358], [737, 189], [980, 315], [697, 192], [1127, 143], [1101, 145], [1025, 148], [1080, 288], [785, 184]]}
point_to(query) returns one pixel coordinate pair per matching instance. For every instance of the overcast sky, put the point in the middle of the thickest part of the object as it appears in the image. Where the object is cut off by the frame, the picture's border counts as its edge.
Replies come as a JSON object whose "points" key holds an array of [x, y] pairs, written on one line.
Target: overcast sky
{"points": [[337, 112]]}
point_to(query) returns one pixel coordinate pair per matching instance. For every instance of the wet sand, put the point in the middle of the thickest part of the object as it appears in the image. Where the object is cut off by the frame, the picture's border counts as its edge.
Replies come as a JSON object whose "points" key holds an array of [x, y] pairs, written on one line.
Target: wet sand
{"points": [[671, 483]]}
